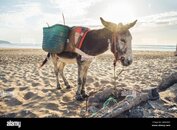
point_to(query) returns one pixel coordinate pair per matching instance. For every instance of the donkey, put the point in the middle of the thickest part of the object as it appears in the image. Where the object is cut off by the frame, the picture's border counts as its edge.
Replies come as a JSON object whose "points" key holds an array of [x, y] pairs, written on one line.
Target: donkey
{"points": [[96, 42]]}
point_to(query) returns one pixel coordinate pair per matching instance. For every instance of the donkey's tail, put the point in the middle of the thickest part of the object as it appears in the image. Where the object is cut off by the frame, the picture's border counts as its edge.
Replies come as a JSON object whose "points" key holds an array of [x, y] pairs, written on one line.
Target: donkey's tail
{"points": [[45, 61]]}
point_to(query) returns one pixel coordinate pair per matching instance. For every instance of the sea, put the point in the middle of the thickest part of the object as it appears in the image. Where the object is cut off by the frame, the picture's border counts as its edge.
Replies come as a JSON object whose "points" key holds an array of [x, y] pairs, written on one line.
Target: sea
{"points": [[140, 47], [157, 47]]}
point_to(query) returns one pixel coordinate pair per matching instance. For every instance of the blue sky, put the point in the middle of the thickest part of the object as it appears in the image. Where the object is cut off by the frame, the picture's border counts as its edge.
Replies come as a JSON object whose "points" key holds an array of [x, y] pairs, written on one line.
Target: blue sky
{"points": [[21, 21]]}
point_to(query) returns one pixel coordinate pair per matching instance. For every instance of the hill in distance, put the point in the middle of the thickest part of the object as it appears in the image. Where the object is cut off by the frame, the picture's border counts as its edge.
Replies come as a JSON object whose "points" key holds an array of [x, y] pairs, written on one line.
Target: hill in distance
{"points": [[4, 42]]}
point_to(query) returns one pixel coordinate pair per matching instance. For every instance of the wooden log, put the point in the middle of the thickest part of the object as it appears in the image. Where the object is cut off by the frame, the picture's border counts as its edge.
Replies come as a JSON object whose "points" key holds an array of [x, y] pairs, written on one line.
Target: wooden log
{"points": [[130, 100], [126, 104], [121, 107], [167, 82]]}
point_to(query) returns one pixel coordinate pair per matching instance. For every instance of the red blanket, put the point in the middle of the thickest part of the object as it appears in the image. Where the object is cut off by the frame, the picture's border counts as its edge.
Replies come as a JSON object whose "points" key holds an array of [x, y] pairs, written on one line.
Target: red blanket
{"points": [[76, 38]]}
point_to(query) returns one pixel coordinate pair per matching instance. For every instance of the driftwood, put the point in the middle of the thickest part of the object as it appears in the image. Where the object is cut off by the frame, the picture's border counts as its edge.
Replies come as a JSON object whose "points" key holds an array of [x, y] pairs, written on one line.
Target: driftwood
{"points": [[130, 99], [167, 82], [127, 103]]}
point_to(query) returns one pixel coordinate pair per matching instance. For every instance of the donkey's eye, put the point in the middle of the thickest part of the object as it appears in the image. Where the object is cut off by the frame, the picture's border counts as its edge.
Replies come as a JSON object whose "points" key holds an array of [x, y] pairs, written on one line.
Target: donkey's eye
{"points": [[122, 40]]}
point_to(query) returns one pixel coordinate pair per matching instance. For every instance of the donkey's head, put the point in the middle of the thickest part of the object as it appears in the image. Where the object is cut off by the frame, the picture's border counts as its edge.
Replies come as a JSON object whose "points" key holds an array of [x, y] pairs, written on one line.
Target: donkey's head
{"points": [[121, 39]]}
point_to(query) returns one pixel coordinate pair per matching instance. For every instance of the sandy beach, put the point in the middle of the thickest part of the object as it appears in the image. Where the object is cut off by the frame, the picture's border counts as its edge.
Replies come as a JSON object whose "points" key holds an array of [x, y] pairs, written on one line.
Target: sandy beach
{"points": [[26, 91]]}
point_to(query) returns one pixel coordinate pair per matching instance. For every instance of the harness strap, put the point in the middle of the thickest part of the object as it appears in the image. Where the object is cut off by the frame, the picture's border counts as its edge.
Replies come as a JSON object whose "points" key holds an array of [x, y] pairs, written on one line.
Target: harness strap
{"points": [[114, 49], [116, 54], [82, 39]]}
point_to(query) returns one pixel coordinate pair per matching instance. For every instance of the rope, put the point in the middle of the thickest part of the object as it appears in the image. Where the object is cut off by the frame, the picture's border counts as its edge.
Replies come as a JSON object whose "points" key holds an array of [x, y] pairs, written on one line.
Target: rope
{"points": [[109, 101], [116, 76], [105, 105]]}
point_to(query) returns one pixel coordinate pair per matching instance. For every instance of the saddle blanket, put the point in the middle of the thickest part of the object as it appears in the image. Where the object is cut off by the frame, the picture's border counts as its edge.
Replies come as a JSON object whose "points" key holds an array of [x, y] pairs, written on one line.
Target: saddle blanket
{"points": [[76, 38], [75, 41]]}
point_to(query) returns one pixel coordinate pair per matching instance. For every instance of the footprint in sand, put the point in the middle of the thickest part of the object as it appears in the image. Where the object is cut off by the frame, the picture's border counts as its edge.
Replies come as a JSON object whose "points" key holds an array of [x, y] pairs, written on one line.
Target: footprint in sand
{"points": [[109, 85], [89, 88], [51, 106], [26, 114], [9, 89], [35, 84], [66, 98], [97, 84], [10, 101], [23, 88], [104, 81], [52, 115], [90, 80], [9, 115], [31, 95]]}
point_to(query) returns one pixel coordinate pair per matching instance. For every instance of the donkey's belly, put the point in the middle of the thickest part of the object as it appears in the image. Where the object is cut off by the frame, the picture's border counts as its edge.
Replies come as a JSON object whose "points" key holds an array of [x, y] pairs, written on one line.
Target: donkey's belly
{"points": [[67, 57], [67, 60]]}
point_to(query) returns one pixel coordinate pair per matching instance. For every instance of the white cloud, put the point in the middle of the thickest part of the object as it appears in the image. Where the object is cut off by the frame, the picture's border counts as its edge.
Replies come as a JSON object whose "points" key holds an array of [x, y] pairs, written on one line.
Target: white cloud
{"points": [[149, 5], [25, 22], [16, 23], [162, 19], [18, 19], [156, 29], [11, 20], [74, 8], [119, 11]]}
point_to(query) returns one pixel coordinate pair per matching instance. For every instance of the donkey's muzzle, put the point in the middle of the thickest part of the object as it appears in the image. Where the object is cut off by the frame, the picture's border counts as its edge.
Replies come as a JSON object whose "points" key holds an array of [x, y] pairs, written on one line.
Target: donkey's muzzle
{"points": [[126, 61]]}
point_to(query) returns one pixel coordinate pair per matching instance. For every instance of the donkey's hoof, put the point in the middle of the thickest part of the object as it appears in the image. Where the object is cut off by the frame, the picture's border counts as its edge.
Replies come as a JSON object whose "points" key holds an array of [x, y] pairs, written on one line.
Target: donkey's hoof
{"points": [[68, 86], [84, 95], [58, 86], [80, 98]]}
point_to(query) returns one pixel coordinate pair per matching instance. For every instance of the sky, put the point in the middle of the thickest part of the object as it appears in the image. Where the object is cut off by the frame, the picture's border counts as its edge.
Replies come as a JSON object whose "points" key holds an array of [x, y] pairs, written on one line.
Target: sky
{"points": [[22, 21]]}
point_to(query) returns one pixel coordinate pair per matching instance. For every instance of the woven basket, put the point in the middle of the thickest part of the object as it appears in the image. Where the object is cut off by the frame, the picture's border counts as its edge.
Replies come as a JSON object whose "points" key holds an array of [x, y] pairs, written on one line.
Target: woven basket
{"points": [[55, 38]]}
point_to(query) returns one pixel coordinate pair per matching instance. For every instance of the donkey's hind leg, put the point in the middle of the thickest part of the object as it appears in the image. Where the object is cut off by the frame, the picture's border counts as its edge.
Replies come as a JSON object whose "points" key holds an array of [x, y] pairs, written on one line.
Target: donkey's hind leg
{"points": [[61, 68], [56, 69], [56, 73]]}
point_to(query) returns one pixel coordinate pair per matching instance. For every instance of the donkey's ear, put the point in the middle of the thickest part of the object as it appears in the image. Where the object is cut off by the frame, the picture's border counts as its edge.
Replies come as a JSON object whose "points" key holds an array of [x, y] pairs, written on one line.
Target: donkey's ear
{"points": [[109, 25], [106, 24], [130, 25]]}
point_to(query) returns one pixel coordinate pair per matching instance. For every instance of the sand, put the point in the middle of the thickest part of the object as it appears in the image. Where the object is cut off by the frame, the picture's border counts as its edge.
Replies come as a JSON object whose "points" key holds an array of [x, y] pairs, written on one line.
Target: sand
{"points": [[26, 91]]}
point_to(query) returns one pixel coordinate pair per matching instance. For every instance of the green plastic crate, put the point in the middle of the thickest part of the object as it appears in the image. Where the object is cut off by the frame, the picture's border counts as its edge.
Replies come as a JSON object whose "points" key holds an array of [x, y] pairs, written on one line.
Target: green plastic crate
{"points": [[55, 38]]}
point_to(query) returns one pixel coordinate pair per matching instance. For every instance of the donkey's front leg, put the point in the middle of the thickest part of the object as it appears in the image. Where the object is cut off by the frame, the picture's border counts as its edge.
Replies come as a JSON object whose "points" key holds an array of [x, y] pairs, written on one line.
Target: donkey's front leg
{"points": [[82, 73]]}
